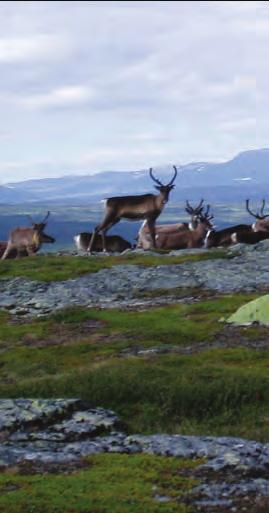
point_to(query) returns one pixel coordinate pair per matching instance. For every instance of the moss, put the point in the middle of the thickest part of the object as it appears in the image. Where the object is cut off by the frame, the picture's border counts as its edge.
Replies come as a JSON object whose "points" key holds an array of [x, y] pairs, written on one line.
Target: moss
{"points": [[213, 391], [111, 484], [54, 268]]}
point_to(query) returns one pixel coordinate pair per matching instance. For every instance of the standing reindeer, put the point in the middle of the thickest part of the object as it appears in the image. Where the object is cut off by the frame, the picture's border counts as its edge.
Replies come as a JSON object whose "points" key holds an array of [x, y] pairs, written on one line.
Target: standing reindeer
{"points": [[133, 208], [144, 240], [25, 240]]}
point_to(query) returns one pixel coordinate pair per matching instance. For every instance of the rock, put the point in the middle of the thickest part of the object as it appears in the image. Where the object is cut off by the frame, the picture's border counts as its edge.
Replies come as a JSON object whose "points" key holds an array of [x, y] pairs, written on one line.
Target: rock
{"points": [[120, 285], [68, 431]]}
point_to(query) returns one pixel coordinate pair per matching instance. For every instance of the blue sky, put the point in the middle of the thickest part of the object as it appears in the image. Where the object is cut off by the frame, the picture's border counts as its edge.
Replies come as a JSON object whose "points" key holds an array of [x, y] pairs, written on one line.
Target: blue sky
{"points": [[123, 85]]}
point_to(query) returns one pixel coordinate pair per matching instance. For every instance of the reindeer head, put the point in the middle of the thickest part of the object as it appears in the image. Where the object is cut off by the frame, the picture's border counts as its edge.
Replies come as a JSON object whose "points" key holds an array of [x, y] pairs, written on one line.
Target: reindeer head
{"points": [[38, 229], [205, 218], [261, 224], [194, 212], [164, 189]]}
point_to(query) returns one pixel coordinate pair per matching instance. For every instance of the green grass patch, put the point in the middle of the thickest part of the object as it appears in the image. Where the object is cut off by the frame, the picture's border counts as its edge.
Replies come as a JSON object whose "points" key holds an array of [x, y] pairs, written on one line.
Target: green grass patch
{"points": [[59, 344], [216, 391], [112, 483], [55, 268]]}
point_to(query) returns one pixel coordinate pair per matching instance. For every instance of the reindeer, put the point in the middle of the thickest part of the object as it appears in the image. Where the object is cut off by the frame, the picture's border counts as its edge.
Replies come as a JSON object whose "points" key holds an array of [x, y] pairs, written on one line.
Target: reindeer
{"points": [[223, 237], [13, 253], [261, 224], [249, 237], [133, 208], [29, 240], [189, 238], [227, 236], [144, 240], [114, 243]]}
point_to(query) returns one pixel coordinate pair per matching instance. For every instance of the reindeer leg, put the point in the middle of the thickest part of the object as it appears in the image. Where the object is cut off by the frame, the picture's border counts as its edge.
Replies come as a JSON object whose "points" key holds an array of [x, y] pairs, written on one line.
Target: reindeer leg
{"points": [[151, 225], [7, 251], [108, 222], [103, 233], [29, 251]]}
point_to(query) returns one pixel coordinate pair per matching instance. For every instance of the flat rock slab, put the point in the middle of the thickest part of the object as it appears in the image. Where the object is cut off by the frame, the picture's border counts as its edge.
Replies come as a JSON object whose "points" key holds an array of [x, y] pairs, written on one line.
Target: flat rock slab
{"points": [[120, 285], [62, 432]]}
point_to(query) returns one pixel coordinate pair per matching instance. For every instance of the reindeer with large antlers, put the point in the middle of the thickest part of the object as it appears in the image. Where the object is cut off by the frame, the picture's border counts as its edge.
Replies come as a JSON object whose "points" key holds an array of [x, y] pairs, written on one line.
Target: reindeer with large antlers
{"points": [[26, 240], [143, 238], [262, 223], [133, 208]]}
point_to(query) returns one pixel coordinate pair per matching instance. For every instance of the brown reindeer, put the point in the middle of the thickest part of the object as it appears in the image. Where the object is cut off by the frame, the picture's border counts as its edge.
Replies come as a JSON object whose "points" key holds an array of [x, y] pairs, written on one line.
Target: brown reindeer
{"points": [[144, 239], [27, 240], [189, 238], [133, 208], [262, 223], [114, 243]]}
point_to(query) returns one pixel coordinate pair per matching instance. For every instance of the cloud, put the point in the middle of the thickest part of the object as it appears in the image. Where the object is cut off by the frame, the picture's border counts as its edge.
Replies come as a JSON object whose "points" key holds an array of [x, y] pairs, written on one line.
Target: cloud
{"points": [[34, 48], [128, 84], [59, 98]]}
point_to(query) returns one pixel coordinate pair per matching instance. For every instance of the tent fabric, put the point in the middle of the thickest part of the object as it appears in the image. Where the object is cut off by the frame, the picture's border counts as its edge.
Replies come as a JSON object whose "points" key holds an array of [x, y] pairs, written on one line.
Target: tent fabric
{"points": [[256, 311]]}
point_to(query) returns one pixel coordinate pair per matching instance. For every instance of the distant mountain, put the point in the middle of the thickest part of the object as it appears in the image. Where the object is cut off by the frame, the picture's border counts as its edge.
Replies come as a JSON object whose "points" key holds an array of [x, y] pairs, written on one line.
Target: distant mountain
{"points": [[246, 175]]}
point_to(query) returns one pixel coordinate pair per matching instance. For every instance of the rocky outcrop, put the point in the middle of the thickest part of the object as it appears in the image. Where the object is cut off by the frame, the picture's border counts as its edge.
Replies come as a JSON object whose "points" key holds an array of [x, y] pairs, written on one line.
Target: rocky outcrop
{"points": [[246, 270], [64, 431]]}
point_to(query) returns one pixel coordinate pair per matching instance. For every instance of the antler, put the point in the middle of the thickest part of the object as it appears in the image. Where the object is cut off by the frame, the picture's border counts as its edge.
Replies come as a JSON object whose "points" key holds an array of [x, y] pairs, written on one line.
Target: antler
{"points": [[257, 216], [248, 209], [189, 208], [174, 177], [207, 211], [206, 214], [46, 217], [262, 209], [153, 177], [199, 207], [194, 210]]}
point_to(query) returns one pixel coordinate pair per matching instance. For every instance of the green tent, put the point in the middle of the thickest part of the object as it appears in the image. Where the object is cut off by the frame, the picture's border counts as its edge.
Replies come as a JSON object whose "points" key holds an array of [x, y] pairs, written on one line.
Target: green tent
{"points": [[256, 311]]}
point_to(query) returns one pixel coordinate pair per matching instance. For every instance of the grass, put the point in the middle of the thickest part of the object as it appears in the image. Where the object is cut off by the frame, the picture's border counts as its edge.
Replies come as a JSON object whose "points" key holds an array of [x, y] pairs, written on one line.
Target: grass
{"points": [[109, 483], [212, 392], [52, 267], [217, 391]]}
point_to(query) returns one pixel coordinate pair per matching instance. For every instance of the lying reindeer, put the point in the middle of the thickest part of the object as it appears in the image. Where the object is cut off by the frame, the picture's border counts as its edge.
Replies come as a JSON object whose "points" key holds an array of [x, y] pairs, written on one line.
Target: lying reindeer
{"points": [[144, 238], [261, 224], [114, 243], [249, 237], [27, 241], [189, 238], [226, 237]]}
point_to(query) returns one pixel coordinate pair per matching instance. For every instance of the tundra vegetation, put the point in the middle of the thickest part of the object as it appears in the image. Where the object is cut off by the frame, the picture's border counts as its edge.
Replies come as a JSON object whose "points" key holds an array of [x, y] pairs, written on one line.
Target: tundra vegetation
{"points": [[207, 379]]}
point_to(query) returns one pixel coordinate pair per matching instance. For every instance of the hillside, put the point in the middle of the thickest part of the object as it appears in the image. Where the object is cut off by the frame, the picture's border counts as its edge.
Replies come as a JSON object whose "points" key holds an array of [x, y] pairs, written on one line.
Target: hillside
{"points": [[131, 369], [246, 175]]}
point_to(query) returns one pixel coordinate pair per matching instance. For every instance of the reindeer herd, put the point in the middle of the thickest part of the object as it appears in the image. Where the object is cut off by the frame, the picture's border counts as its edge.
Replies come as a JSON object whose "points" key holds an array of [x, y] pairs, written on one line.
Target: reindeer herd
{"points": [[199, 232]]}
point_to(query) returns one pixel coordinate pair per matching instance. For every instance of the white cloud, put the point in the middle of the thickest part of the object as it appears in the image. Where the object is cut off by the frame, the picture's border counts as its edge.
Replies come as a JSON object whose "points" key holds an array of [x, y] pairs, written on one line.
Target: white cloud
{"points": [[128, 83], [32, 48], [62, 97]]}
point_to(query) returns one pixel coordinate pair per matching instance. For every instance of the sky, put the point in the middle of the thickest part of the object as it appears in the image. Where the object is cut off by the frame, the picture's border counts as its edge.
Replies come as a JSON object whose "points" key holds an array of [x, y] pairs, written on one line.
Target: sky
{"points": [[124, 85]]}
